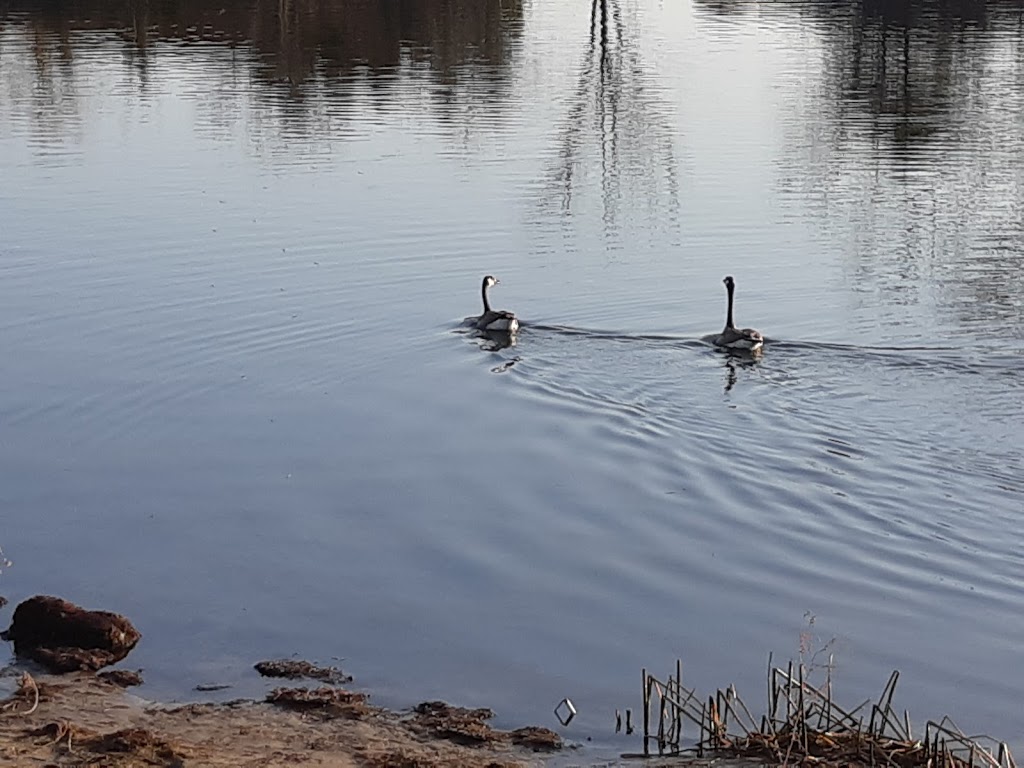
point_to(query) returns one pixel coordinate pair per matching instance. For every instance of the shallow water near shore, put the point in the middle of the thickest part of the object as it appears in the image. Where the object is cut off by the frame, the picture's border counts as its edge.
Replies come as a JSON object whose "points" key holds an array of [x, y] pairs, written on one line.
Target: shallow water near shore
{"points": [[240, 405]]}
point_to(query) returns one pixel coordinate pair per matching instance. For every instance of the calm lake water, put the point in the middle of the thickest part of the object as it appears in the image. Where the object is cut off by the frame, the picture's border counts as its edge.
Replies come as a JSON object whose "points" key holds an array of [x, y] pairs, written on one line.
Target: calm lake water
{"points": [[237, 244]]}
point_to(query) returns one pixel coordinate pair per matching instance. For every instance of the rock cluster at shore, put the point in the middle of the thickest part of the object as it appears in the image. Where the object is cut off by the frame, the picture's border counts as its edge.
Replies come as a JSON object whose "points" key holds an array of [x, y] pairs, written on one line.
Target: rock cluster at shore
{"points": [[76, 716]]}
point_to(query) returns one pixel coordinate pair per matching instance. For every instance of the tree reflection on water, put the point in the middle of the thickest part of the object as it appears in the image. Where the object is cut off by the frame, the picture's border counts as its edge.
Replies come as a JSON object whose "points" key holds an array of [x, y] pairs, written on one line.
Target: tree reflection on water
{"points": [[615, 116], [908, 142], [295, 51]]}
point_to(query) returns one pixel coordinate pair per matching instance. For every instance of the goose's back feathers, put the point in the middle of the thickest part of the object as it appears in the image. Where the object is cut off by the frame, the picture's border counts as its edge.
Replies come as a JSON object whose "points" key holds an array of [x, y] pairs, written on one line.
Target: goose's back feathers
{"points": [[493, 320], [739, 338]]}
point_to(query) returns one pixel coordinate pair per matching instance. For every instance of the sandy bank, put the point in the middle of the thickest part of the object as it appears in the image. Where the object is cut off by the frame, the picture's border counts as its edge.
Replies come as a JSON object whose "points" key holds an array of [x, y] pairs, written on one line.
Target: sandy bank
{"points": [[80, 719]]}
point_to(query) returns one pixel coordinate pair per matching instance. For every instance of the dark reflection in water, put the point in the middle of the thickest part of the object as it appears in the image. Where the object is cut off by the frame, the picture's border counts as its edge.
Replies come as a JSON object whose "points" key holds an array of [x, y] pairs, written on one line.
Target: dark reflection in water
{"points": [[913, 67], [302, 37], [305, 50], [615, 114], [493, 341], [735, 362]]}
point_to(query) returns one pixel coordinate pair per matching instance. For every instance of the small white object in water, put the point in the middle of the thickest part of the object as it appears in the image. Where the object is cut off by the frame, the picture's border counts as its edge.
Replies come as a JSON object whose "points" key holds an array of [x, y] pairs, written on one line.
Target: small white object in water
{"points": [[570, 711]]}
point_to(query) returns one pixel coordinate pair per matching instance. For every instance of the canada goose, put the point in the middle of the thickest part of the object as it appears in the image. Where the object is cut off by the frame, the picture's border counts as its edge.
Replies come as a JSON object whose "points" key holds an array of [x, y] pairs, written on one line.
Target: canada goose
{"points": [[492, 320], [737, 338]]}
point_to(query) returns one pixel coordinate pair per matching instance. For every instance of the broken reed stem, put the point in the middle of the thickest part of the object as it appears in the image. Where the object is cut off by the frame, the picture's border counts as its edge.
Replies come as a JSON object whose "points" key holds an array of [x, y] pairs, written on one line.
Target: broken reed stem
{"points": [[828, 694], [11, 707], [723, 716], [750, 718], [789, 683], [803, 715], [677, 720], [677, 734], [35, 692], [890, 687], [661, 724], [684, 706], [671, 709], [647, 709], [709, 707], [1004, 755], [722, 710], [704, 728], [673, 713], [827, 697]]}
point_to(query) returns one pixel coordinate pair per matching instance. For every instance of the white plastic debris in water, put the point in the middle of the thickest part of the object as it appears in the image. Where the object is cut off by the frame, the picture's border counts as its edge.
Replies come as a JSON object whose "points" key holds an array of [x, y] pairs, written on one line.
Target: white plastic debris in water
{"points": [[565, 711]]}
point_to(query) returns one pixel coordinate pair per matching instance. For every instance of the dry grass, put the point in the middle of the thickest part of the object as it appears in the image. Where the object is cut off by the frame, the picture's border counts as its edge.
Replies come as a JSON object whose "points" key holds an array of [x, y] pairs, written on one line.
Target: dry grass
{"points": [[805, 726], [25, 700]]}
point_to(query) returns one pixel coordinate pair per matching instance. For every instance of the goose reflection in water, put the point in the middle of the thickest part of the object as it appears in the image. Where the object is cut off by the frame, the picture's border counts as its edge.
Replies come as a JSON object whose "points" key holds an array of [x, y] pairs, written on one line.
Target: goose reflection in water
{"points": [[736, 360], [493, 341]]}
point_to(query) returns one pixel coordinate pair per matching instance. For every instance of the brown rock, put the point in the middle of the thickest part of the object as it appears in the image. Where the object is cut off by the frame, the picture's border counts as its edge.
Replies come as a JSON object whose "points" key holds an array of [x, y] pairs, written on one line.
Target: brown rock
{"points": [[123, 678], [293, 669], [536, 738], [444, 709], [469, 727], [328, 701], [458, 724], [65, 637]]}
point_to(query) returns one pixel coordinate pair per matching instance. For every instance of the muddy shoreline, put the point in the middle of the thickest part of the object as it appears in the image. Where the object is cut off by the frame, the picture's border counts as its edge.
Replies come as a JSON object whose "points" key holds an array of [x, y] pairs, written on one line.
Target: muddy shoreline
{"points": [[63, 711], [81, 718]]}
